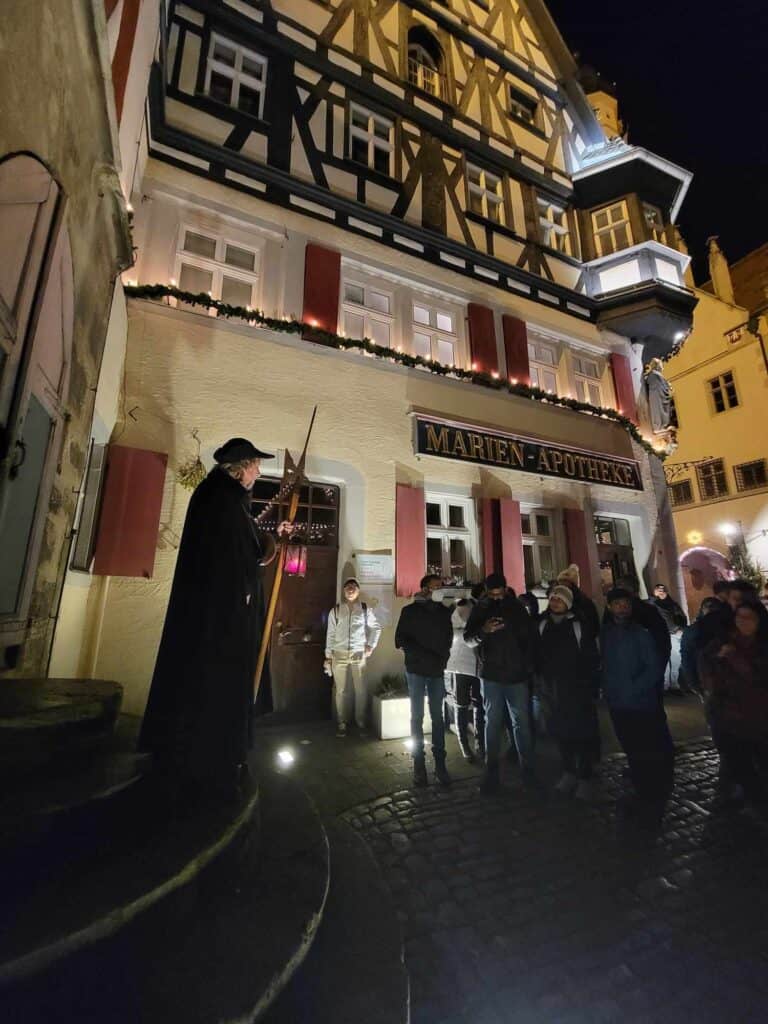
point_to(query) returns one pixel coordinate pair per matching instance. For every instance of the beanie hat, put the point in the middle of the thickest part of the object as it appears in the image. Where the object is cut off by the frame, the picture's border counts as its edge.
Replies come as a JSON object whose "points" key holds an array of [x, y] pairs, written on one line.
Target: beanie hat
{"points": [[564, 594], [618, 594], [570, 575]]}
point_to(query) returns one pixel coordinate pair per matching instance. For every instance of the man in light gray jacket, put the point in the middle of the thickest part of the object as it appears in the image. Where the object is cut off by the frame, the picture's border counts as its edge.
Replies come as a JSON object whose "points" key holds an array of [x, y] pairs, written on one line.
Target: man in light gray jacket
{"points": [[351, 638]]}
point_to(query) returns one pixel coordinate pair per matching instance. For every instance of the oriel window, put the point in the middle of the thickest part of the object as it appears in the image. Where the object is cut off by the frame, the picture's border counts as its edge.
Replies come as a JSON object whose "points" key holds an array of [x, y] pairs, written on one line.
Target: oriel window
{"points": [[371, 139], [236, 76], [485, 194], [612, 228], [654, 222]]}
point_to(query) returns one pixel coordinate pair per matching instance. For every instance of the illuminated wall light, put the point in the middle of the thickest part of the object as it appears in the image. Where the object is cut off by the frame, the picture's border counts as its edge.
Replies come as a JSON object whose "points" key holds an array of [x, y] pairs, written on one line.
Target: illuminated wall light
{"points": [[513, 380], [285, 758], [694, 537], [173, 282], [474, 367], [495, 374]]}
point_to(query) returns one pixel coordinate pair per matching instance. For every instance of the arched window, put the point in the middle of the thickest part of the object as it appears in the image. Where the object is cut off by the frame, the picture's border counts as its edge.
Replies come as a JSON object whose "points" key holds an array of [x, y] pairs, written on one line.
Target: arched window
{"points": [[36, 322], [425, 62]]}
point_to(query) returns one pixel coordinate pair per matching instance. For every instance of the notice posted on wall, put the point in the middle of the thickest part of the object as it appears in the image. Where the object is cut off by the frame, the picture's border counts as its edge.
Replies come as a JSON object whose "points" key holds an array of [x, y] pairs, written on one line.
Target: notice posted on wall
{"points": [[375, 568], [378, 597]]}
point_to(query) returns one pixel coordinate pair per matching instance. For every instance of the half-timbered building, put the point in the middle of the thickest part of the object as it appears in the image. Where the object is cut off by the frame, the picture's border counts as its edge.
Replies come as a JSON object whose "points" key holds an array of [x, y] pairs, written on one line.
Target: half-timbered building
{"points": [[417, 215]]}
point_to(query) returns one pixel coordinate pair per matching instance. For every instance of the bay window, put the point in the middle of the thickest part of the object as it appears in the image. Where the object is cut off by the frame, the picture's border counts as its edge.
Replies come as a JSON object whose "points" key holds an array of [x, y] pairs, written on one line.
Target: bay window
{"points": [[612, 228]]}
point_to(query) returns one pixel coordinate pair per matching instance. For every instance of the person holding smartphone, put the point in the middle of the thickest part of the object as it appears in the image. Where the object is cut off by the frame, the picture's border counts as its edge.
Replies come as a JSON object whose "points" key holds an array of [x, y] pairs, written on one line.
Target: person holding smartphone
{"points": [[505, 636]]}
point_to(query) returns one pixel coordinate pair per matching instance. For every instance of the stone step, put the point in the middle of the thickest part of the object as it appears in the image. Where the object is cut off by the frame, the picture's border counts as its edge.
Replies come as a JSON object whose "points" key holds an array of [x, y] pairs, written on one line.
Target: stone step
{"points": [[217, 947]]}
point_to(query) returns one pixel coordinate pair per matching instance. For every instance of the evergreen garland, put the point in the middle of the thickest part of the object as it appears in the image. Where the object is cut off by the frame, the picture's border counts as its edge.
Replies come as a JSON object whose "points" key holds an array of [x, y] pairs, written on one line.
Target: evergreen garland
{"points": [[319, 336]]}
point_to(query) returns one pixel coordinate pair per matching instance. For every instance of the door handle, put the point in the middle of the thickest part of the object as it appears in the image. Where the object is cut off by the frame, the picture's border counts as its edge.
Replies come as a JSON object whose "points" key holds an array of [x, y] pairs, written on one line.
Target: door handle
{"points": [[19, 459]]}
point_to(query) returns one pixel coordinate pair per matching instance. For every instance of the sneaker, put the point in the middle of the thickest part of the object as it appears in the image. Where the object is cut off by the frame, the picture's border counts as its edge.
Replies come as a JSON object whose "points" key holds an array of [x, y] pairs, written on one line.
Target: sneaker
{"points": [[341, 730], [566, 783], [585, 790]]}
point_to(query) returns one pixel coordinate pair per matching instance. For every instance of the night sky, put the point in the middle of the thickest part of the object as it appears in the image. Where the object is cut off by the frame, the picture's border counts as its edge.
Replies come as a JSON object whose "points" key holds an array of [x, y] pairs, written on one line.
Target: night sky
{"points": [[692, 87]]}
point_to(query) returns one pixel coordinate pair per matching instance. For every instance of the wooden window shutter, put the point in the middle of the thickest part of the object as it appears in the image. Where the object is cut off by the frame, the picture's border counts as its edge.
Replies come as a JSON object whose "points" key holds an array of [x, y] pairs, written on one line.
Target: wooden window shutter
{"points": [[512, 543], [121, 62], [482, 338], [410, 539], [516, 349], [622, 382], [578, 549], [322, 280], [490, 535], [130, 512]]}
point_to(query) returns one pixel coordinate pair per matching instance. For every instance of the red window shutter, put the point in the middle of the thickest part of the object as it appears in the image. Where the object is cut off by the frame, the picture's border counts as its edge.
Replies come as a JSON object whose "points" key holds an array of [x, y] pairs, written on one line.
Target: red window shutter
{"points": [[512, 543], [622, 382], [322, 279], [410, 539], [482, 338], [130, 512], [121, 62], [578, 550], [516, 349]]}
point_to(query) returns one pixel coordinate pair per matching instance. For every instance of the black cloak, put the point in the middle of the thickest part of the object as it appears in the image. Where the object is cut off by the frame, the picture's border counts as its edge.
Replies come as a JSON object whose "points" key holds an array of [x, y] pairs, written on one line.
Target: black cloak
{"points": [[198, 716]]}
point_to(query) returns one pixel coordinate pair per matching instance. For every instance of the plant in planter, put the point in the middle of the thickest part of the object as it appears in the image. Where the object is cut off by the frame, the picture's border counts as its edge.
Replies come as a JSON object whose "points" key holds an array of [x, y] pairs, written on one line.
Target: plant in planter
{"points": [[392, 709]]}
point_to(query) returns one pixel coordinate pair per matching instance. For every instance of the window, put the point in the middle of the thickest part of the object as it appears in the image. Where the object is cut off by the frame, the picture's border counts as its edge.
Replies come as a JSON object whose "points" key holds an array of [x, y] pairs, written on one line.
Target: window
{"points": [[522, 107], [370, 139], [723, 392], [485, 195], [452, 539], [433, 333], [543, 363], [553, 227], [236, 76], [654, 222], [612, 531], [367, 313], [750, 475], [425, 62], [587, 378], [211, 264], [681, 493], [538, 548], [712, 479], [89, 506], [611, 227]]}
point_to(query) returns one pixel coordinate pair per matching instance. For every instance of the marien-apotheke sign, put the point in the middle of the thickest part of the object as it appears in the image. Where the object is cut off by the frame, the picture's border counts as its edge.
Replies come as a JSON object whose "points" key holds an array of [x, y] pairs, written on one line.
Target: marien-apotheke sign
{"points": [[472, 444]]}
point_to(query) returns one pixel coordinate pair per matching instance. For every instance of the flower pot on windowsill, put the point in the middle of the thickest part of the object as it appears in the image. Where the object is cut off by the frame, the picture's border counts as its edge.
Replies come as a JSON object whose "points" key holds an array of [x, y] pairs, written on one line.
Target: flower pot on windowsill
{"points": [[392, 717]]}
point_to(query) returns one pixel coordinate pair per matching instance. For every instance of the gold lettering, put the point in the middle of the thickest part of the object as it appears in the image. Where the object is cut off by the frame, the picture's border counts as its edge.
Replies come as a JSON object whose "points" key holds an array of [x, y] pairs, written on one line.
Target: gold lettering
{"points": [[581, 459], [629, 476], [594, 469], [437, 442], [518, 452], [605, 471], [616, 471], [543, 462], [502, 451], [557, 460], [570, 464], [477, 445], [459, 446]]}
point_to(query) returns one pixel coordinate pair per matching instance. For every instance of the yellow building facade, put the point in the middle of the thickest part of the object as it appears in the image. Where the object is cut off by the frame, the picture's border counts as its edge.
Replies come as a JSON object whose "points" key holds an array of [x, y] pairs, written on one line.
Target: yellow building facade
{"points": [[718, 476]]}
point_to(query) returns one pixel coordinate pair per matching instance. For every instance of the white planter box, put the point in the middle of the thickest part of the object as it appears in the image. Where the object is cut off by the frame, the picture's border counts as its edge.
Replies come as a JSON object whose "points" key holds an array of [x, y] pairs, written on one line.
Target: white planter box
{"points": [[392, 718]]}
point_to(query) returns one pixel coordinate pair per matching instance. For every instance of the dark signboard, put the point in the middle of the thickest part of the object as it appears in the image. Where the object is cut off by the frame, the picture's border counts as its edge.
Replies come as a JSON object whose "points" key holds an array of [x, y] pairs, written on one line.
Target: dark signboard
{"points": [[472, 444]]}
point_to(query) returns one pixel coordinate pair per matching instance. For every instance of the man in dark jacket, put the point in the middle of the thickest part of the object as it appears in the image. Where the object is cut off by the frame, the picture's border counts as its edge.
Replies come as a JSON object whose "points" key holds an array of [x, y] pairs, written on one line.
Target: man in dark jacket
{"points": [[425, 634], [630, 680], [505, 636], [645, 615]]}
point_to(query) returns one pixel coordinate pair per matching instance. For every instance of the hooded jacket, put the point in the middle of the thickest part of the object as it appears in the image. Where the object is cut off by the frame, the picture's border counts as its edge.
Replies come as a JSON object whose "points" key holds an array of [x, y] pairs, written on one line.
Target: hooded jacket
{"points": [[424, 633], [351, 628], [506, 656]]}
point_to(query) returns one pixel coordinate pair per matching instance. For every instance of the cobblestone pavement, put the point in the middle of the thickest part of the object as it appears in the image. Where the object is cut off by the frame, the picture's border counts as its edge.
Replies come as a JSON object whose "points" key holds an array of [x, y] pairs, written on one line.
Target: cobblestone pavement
{"points": [[538, 909]]}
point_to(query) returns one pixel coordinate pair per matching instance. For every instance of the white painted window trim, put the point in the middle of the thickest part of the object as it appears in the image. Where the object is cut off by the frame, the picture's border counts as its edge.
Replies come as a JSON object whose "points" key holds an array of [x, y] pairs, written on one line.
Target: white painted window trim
{"points": [[435, 333], [363, 310], [539, 367], [592, 385], [469, 533], [554, 227], [536, 541], [218, 268], [423, 70], [369, 137], [657, 234], [489, 189], [236, 73]]}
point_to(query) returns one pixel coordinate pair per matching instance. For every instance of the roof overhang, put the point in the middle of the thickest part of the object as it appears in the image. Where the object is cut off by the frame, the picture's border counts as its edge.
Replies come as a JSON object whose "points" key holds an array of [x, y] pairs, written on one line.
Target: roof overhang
{"points": [[624, 169]]}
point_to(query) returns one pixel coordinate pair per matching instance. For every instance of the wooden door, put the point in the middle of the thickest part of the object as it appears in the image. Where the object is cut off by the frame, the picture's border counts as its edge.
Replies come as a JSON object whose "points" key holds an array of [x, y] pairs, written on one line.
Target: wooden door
{"points": [[297, 643]]}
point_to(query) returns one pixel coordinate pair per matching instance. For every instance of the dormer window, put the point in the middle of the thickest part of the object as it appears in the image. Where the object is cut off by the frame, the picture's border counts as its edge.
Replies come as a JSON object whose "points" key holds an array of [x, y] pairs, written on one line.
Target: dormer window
{"points": [[654, 222], [425, 62], [612, 228]]}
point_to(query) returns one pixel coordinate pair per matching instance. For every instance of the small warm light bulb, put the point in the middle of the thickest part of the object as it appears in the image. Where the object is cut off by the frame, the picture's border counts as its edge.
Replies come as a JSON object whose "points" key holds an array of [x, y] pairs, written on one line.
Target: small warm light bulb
{"points": [[513, 380], [408, 744], [399, 348], [173, 281], [285, 758], [129, 207], [474, 366], [495, 374]]}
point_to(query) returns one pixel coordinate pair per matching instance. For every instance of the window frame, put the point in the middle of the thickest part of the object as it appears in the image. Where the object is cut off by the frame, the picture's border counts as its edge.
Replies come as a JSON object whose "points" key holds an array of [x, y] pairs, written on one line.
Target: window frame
{"points": [[236, 74], [516, 97], [655, 234], [86, 525], [368, 313], [216, 265], [600, 233], [469, 533], [373, 141], [676, 501], [538, 366], [490, 197], [554, 235], [435, 333], [535, 541], [417, 63], [738, 473], [588, 381], [718, 387], [704, 478]]}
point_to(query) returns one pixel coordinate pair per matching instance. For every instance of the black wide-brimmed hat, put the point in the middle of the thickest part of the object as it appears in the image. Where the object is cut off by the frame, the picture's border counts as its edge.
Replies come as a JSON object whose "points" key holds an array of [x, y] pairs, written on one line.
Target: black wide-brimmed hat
{"points": [[238, 449]]}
